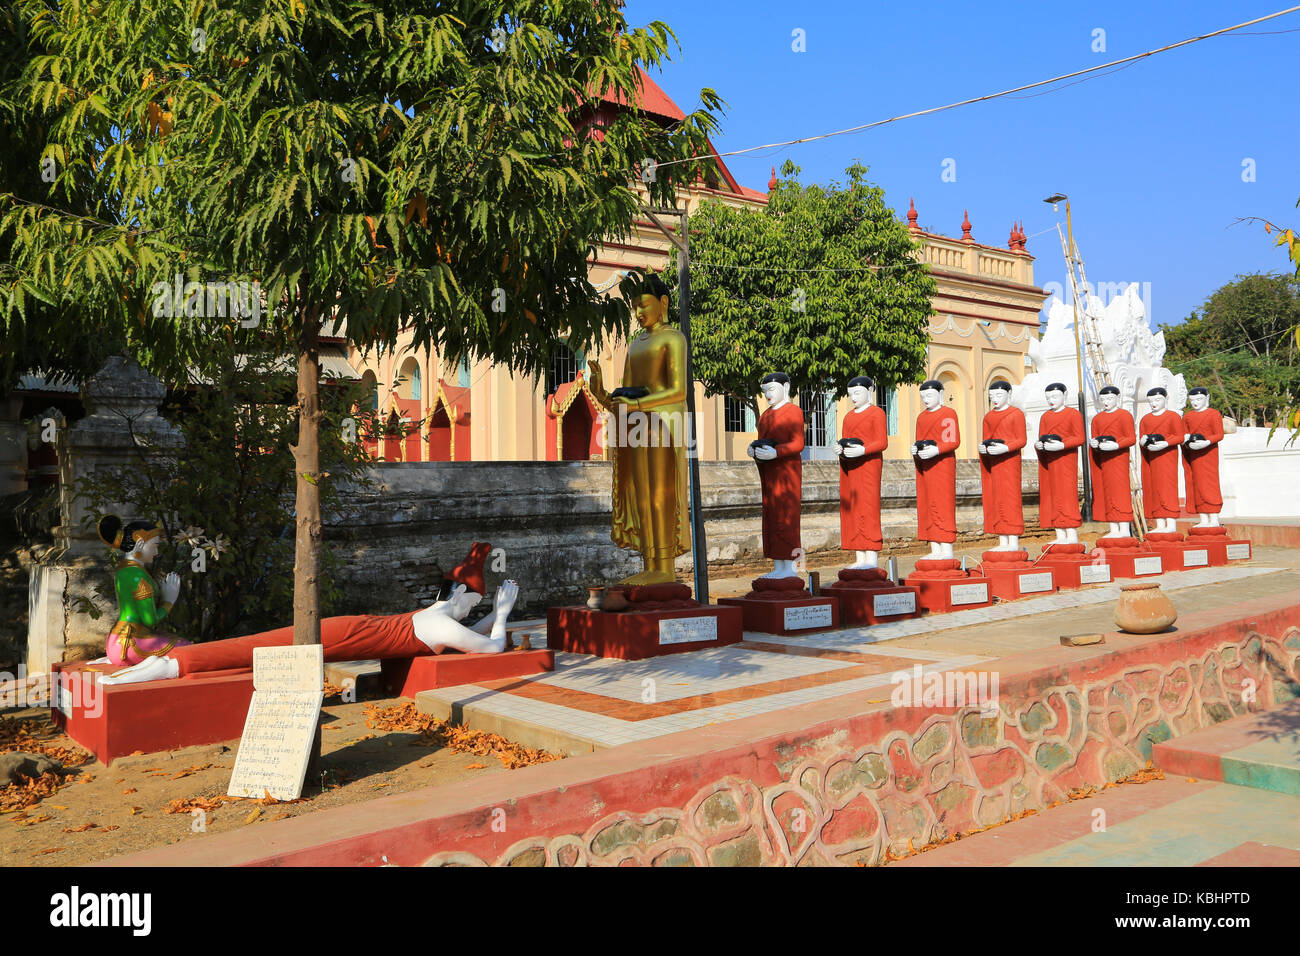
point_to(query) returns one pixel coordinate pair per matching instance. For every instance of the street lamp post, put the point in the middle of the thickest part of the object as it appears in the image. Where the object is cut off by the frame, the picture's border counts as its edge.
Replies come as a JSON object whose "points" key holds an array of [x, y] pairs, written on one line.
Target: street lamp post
{"points": [[1071, 259]]}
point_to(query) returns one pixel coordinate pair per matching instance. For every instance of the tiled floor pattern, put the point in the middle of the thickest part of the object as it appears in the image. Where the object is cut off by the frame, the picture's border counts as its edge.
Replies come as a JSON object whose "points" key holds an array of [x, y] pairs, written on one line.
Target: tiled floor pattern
{"points": [[610, 702]]}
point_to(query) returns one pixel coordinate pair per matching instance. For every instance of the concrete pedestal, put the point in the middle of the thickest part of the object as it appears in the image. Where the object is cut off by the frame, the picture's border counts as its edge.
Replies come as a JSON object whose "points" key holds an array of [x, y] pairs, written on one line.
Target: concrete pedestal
{"points": [[943, 586], [1013, 576], [659, 619], [1127, 558], [1072, 567], [867, 596], [784, 606], [406, 677]]}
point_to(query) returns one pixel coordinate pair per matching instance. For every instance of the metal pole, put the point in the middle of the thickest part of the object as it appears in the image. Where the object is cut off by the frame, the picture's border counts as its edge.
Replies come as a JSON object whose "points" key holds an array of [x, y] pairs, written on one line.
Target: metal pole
{"points": [[699, 547], [1078, 358]]}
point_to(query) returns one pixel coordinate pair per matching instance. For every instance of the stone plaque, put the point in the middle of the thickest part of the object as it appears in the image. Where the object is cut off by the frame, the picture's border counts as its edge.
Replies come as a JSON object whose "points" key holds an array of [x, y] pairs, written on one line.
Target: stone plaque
{"points": [[811, 615], [1150, 565], [883, 605], [969, 594], [1094, 574], [1196, 559], [1033, 583], [682, 630], [1238, 552], [281, 723]]}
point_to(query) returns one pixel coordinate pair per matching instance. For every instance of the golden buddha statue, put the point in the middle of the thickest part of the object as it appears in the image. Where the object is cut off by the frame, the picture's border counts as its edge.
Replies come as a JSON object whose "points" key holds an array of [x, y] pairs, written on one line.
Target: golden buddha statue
{"points": [[648, 425]]}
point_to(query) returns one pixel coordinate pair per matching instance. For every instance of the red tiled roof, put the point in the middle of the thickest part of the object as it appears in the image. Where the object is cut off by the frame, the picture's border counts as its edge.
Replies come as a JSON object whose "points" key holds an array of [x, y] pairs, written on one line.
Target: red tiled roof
{"points": [[653, 100]]}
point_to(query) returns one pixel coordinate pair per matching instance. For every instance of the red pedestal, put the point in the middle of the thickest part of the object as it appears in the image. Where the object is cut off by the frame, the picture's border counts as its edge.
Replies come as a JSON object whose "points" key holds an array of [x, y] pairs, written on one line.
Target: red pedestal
{"points": [[1072, 567], [784, 606], [406, 677], [943, 586], [1178, 553], [660, 619], [868, 596], [1013, 576], [114, 721], [1214, 541], [1222, 548], [1127, 558]]}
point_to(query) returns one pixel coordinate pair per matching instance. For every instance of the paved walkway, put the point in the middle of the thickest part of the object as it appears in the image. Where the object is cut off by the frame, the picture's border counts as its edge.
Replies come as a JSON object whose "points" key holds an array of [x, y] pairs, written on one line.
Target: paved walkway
{"points": [[590, 703]]}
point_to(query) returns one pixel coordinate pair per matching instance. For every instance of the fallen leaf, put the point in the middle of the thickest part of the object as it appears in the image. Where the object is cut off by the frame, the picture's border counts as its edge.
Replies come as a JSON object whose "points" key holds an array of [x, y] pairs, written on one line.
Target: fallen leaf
{"points": [[135, 810], [253, 816], [53, 849], [125, 792], [476, 766], [81, 829]]}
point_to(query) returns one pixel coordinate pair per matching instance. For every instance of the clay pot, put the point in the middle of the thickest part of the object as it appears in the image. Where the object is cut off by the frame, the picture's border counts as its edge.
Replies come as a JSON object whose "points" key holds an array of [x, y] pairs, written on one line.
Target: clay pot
{"points": [[595, 598], [615, 600], [1144, 609]]}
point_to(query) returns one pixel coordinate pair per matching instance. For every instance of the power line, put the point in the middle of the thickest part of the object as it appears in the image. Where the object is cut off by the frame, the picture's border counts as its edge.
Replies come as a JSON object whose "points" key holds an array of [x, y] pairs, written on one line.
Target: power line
{"points": [[979, 99]]}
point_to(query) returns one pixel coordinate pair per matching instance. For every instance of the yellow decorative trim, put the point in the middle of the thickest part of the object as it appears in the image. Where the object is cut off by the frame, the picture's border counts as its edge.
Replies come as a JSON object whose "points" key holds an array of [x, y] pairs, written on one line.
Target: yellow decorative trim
{"points": [[143, 590]]}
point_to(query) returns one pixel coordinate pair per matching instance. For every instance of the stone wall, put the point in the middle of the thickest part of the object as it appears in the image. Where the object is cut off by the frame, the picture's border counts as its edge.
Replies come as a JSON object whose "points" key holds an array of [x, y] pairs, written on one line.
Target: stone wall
{"points": [[551, 522]]}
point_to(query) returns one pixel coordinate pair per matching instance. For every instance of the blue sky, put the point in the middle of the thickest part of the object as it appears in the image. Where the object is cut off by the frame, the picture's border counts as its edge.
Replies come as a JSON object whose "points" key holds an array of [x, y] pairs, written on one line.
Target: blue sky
{"points": [[1151, 156]]}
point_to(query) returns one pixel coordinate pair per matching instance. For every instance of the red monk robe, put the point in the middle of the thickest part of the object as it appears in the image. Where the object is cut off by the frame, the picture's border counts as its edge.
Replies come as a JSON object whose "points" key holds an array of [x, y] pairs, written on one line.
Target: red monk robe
{"points": [[1201, 468], [936, 478], [1004, 511], [1112, 498], [1058, 471], [1160, 468], [782, 481], [860, 481], [351, 638]]}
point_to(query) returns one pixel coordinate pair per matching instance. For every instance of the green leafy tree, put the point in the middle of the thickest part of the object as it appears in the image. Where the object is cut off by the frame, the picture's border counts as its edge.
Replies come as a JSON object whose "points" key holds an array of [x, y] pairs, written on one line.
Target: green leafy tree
{"points": [[1241, 345], [392, 164], [822, 284]]}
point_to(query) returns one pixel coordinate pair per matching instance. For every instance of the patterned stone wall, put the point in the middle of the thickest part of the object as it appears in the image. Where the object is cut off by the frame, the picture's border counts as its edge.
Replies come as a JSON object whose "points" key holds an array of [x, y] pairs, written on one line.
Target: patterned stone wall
{"points": [[918, 775]]}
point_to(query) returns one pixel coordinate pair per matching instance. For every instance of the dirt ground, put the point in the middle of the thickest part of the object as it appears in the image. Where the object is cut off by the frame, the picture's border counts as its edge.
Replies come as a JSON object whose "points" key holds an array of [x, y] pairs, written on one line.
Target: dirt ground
{"points": [[96, 812]]}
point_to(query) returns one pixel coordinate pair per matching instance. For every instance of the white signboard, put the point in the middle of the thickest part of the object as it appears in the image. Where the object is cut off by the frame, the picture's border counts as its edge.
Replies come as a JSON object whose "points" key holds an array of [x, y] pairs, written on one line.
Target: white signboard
{"points": [[683, 630], [1238, 552], [1094, 574], [1196, 559], [969, 594], [1150, 565], [883, 605], [810, 615], [288, 688], [1033, 583]]}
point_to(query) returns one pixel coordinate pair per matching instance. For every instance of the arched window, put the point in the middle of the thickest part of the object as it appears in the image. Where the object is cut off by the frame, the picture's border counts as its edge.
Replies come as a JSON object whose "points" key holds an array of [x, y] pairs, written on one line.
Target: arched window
{"points": [[415, 384], [563, 368]]}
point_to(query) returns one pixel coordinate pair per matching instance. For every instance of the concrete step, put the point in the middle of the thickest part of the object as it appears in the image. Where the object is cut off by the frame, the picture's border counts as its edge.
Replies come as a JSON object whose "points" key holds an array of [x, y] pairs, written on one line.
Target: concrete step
{"points": [[1258, 750]]}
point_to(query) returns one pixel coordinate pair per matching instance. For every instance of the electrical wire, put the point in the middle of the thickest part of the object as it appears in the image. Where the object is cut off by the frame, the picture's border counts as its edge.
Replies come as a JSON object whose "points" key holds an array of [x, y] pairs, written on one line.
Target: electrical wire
{"points": [[977, 99]]}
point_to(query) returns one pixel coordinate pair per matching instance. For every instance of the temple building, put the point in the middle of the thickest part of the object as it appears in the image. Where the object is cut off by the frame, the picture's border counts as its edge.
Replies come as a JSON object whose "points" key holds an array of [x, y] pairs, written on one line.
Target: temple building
{"points": [[987, 312]]}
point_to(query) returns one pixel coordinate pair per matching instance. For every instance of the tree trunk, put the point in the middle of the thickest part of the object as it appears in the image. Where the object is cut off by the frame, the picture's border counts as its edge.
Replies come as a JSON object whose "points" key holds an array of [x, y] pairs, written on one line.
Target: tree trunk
{"points": [[306, 562], [307, 542]]}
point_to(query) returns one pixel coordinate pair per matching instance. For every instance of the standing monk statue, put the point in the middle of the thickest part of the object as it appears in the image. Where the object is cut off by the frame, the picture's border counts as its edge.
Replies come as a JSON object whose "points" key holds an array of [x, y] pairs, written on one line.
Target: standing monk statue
{"points": [[938, 436], [1112, 437], [777, 452], [1060, 435], [1201, 457], [651, 515], [866, 436], [1004, 436], [1162, 432]]}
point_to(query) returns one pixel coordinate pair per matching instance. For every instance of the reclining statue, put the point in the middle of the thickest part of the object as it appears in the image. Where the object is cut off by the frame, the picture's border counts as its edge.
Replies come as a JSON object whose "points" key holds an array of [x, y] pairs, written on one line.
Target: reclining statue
{"points": [[432, 630]]}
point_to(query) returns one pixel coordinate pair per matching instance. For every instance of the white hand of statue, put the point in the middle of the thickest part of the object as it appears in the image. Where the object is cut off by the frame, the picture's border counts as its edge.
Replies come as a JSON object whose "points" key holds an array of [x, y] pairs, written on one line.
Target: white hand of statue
{"points": [[1158, 446], [853, 451], [1199, 443], [171, 588], [1053, 445], [507, 594], [996, 448], [750, 452], [1108, 445], [764, 453], [929, 451], [1040, 446], [1094, 443]]}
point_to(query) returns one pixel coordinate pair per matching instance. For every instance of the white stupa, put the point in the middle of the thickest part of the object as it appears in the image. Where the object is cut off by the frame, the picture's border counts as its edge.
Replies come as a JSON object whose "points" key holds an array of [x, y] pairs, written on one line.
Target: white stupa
{"points": [[1134, 357]]}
